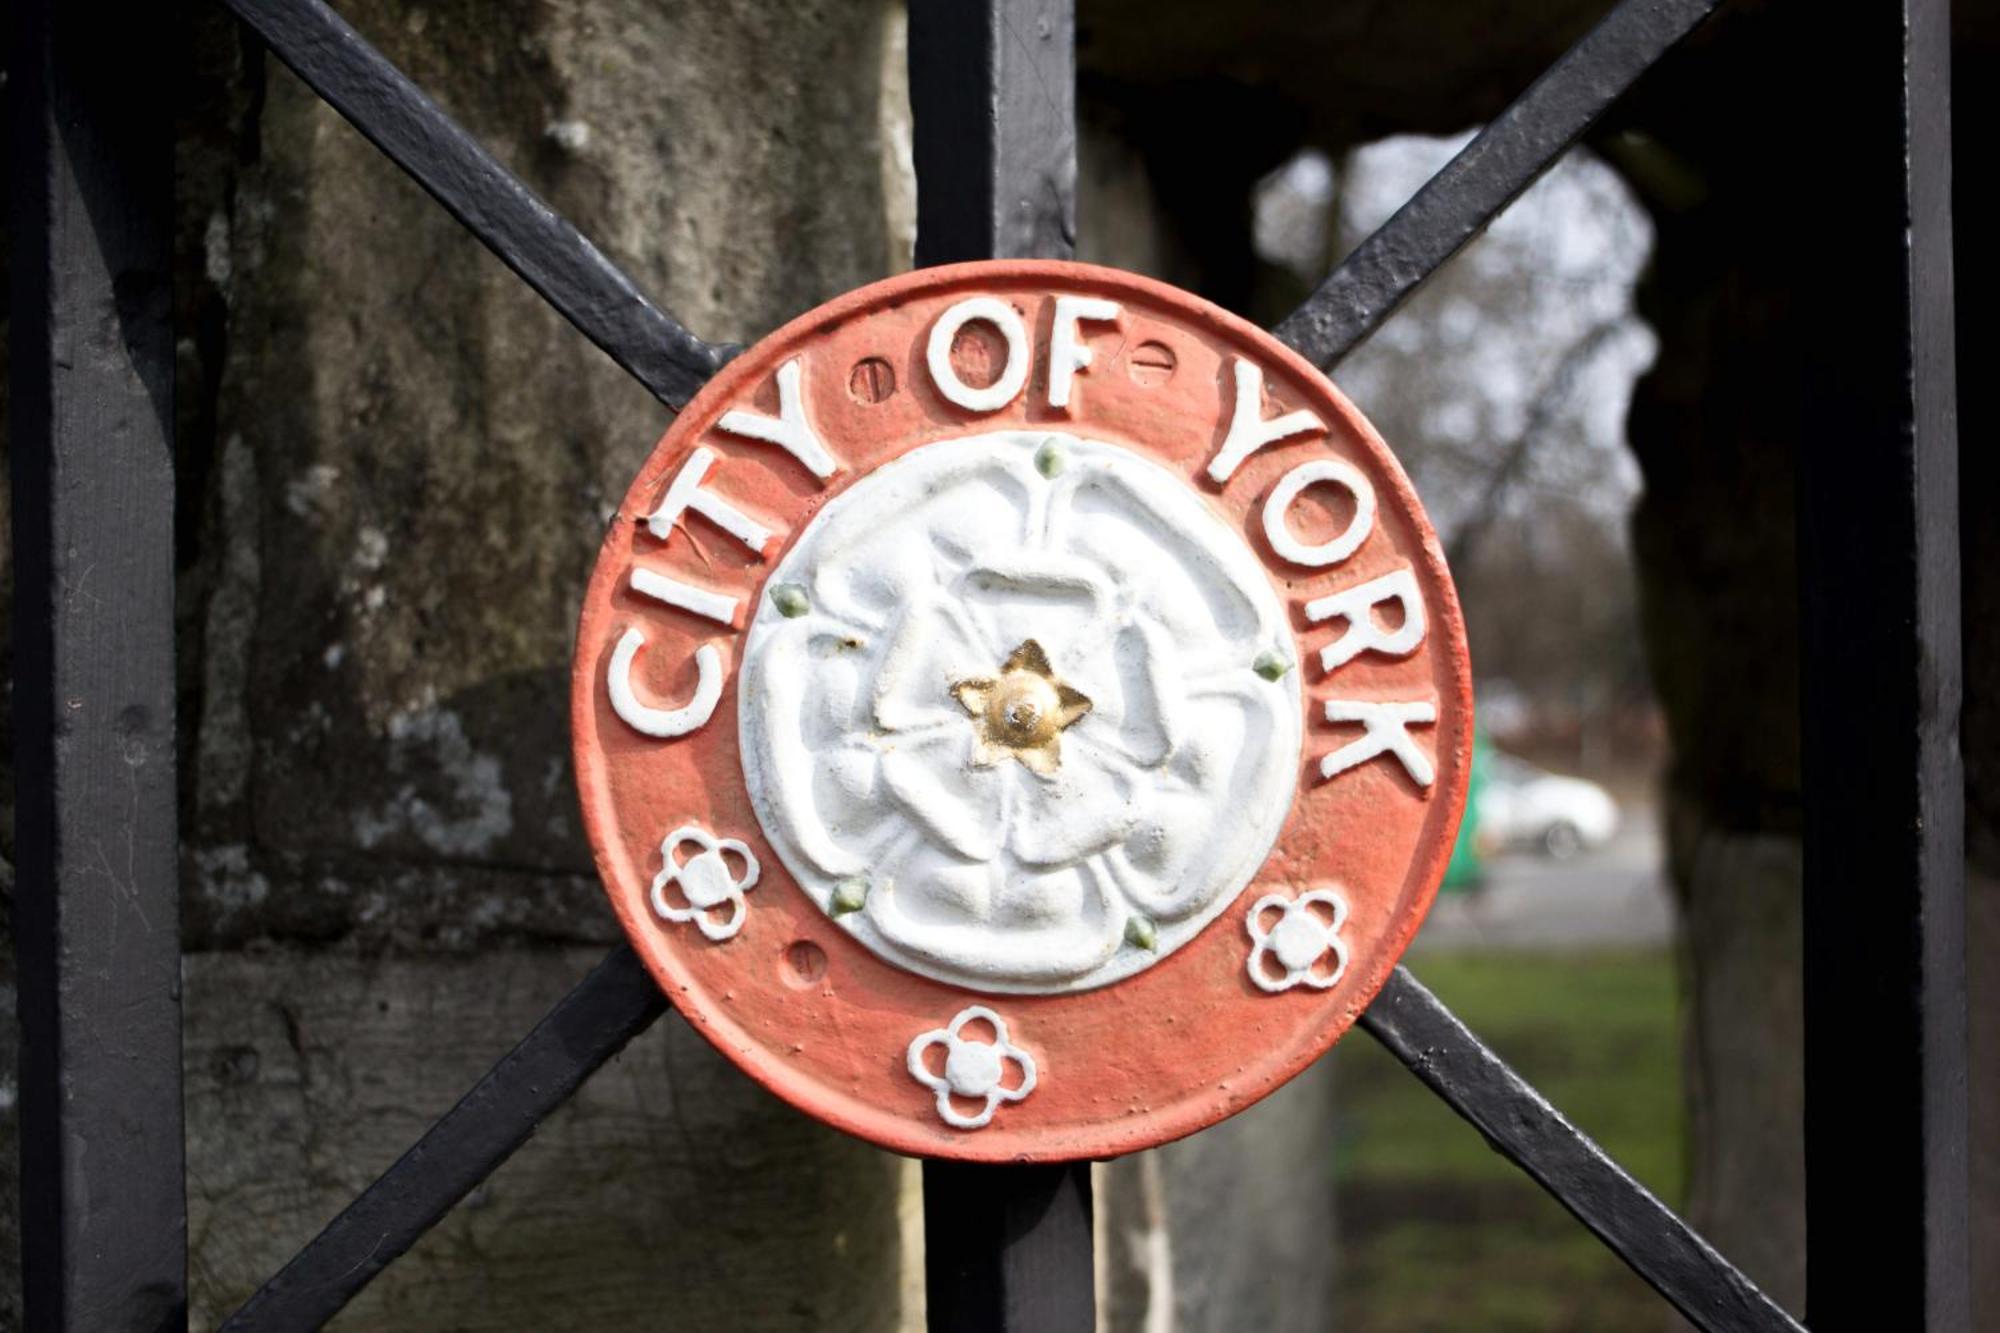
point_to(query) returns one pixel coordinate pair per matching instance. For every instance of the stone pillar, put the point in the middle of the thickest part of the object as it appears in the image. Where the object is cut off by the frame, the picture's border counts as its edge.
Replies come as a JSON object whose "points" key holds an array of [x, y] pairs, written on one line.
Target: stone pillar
{"points": [[1713, 143], [398, 463]]}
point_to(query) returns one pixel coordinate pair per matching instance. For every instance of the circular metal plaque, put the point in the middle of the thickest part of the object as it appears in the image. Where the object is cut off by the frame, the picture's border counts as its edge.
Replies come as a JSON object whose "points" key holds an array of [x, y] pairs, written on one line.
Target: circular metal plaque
{"points": [[1021, 712]]}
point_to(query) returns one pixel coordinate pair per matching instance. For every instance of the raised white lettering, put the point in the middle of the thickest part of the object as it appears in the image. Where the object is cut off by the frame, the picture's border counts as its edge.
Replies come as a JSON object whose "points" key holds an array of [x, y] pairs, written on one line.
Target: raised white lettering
{"points": [[1357, 606], [686, 492], [685, 596], [1013, 373], [1249, 431], [789, 430], [1067, 354], [1385, 732], [1337, 549], [664, 722]]}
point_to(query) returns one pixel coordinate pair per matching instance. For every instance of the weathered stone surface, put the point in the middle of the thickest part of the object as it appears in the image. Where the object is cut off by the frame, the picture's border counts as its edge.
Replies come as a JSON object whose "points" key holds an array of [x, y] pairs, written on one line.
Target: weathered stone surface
{"points": [[414, 457], [670, 1190], [1741, 949], [1232, 1228], [397, 462]]}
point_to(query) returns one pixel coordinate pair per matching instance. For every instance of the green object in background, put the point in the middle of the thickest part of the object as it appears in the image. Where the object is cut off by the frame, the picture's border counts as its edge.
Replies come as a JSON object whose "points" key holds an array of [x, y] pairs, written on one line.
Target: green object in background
{"points": [[1467, 866]]}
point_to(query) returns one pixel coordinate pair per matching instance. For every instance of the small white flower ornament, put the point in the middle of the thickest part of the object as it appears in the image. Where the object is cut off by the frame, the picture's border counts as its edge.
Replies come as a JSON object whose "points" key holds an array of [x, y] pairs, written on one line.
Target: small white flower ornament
{"points": [[973, 1069], [705, 879], [1298, 940]]}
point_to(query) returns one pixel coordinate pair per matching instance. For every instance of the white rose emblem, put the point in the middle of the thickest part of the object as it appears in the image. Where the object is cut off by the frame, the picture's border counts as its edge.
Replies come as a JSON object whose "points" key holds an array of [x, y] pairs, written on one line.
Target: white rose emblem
{"points": [[1016, 712]]}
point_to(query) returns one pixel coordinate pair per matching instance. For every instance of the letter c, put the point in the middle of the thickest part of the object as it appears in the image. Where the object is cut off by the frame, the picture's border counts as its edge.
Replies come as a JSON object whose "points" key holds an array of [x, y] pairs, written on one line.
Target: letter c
{"points": [[665, 723]]}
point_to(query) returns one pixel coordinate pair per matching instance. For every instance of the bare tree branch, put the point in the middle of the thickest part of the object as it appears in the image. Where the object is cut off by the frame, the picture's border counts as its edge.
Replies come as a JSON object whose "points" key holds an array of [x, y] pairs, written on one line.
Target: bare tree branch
{"points": [[1555, 391]]}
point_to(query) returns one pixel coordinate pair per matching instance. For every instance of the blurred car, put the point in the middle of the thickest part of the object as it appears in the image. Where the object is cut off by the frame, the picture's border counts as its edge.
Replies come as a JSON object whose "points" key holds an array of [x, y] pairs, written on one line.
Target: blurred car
{"points": [[1521, 805]]}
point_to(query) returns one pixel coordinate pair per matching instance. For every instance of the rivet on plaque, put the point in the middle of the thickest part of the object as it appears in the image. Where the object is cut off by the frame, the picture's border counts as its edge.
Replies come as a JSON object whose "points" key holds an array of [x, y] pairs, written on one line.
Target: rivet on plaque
{"points": [[983, 667]]}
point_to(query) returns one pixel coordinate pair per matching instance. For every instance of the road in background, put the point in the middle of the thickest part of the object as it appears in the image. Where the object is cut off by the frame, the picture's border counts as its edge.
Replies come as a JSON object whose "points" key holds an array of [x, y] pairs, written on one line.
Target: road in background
{"points": [[1611, 896]]}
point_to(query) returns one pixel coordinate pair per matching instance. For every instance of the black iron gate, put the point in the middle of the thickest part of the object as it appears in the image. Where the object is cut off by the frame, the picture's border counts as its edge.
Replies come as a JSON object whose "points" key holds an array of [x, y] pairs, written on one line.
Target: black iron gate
{"points": [[103, 1214]]}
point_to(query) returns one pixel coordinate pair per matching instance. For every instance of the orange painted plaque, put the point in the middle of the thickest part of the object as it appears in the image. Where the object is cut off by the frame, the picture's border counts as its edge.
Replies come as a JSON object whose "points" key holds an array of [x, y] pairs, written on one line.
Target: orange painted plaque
{"points": [[1021, 712]]}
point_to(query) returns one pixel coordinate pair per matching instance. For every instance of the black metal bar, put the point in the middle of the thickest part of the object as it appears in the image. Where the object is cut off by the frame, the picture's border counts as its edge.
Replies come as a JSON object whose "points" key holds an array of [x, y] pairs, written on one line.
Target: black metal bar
{"points": [[609, 1007], [548, 253], [993, 98], [1508, 156], [96, 902], [1886, 1134], [993, 95], [1519, 1123], [1007, 1249]]}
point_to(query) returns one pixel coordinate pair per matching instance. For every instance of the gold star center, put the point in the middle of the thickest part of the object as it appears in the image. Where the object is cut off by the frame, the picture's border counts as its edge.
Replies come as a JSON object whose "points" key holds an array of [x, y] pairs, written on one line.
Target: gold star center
{"points": [[1022, 712]]}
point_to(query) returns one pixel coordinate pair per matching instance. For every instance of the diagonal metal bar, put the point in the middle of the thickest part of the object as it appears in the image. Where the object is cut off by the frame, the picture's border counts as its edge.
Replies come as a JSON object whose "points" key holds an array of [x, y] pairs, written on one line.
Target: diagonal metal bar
{"points": [[609, 1007], [1508, 156], [1519, 1123], [993, 96], [548, 253]]}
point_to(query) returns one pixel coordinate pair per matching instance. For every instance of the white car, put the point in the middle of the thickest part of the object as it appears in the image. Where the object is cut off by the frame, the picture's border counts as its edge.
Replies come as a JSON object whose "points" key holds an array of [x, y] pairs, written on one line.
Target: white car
{"points": [[1522, 805]]}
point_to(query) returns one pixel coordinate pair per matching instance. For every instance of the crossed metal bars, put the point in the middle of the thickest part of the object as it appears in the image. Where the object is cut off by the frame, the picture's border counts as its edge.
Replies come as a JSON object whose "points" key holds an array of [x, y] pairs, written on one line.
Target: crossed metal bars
{"points": [[992, 81]]}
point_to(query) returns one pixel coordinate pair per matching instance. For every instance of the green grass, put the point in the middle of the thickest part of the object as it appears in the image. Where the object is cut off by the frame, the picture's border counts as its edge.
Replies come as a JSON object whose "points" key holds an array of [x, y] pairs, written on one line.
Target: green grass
{"points": [[1440, 1232]]}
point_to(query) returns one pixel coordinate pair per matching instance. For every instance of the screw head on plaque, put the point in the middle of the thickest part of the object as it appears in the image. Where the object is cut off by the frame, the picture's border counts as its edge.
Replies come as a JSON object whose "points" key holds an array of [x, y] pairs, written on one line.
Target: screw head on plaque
{"points": [[1021, 712]]}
